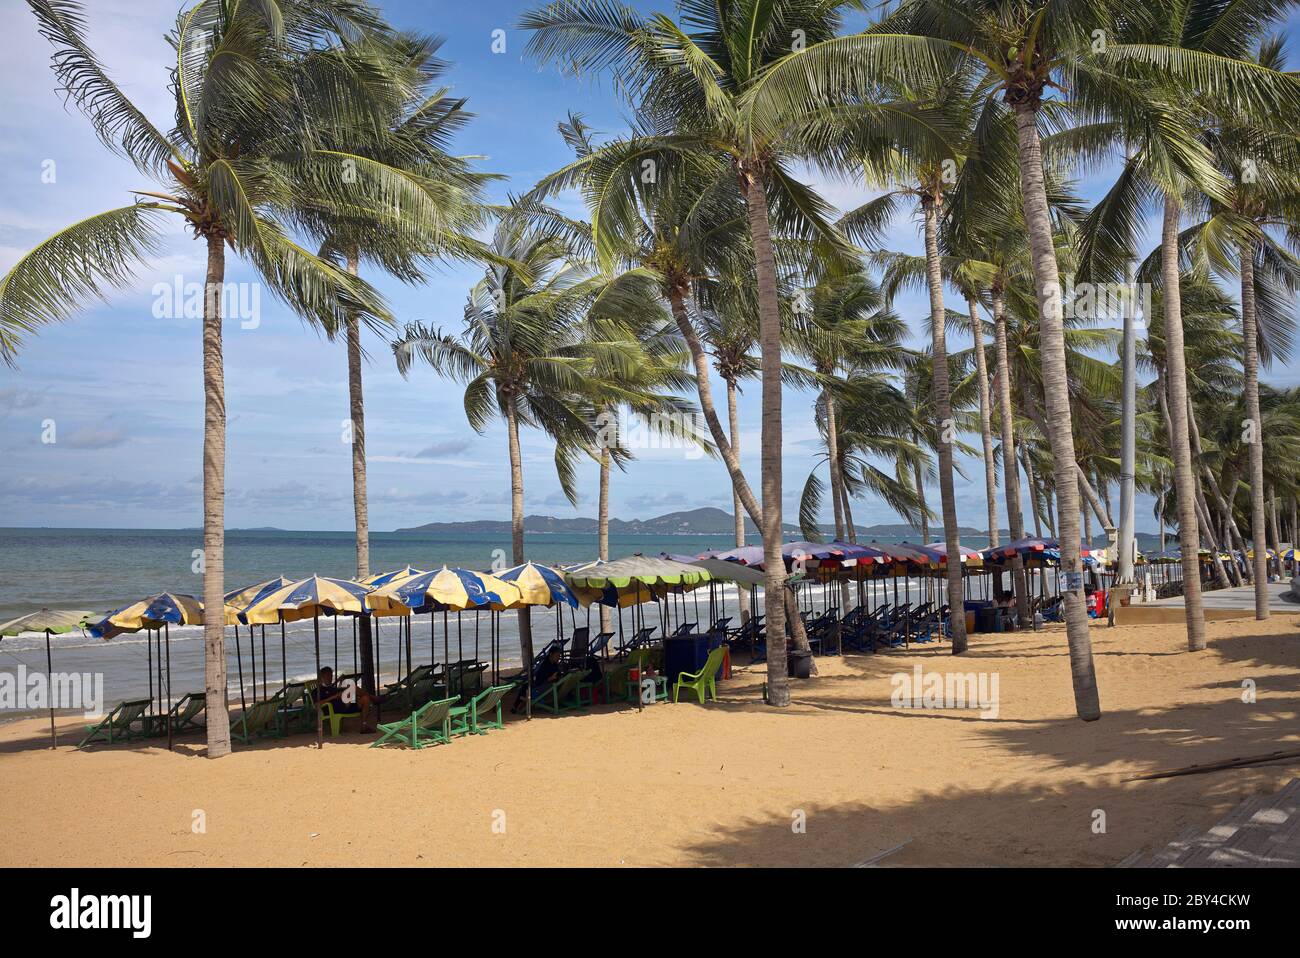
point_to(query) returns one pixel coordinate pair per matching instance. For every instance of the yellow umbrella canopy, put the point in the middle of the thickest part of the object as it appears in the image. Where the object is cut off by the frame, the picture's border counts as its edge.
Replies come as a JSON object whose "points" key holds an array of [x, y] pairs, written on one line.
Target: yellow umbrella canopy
{"points": [[453, 590], [166, 608], [539, 585], [240, 599], [306, 599]]}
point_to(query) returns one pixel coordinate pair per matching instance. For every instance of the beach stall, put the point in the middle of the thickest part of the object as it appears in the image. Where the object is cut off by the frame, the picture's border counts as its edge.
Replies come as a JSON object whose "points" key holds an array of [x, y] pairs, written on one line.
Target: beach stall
{"points": [[50, 622], [636, 580]]}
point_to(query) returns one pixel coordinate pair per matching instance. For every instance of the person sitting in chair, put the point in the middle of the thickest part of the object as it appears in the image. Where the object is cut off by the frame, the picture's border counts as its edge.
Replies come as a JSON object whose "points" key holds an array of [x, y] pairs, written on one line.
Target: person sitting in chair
{"points": [[548, 670], [346, 699]]}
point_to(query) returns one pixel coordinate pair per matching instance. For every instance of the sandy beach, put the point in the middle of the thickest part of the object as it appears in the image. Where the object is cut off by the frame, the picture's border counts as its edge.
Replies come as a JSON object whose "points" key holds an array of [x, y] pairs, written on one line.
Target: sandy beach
{"points": [[726, 784]]}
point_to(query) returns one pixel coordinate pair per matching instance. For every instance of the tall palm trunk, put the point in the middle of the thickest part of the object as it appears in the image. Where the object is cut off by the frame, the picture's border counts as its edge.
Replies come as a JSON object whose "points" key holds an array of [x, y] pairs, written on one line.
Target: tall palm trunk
{"points": [[1184, 478], [1274, 532], [602, 531], [919, 479], [769, 339], [947, 429], [1010, 471], [517, 524], [1250, 344], [730, 456], [360, 501], [837, 482], [1057, 397], [1126, 544], [986, 421], [737, 516], [214, 504]]}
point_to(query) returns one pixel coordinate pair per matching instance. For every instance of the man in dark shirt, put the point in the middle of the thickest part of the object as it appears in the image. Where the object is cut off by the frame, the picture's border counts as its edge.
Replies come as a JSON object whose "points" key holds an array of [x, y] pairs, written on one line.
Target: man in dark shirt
{"points": [[548, 670], [348, 698]]}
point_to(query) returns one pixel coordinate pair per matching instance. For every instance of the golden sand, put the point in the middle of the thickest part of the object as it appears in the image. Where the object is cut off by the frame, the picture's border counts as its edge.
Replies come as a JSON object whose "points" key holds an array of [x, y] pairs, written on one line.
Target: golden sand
{"points": [[726, 784]]}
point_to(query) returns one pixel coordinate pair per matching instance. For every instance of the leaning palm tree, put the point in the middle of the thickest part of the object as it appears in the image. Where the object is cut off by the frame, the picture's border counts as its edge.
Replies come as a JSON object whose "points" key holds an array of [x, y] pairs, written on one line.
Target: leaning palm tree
{"points": [[247, 82], [1020, 49], [757, 85], [435, 200]]}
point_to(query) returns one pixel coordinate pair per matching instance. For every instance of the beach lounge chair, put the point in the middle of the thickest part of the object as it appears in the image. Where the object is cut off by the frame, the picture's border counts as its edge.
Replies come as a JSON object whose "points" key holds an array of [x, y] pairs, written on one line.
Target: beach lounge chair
{"points": [[686, 628], [116, 725], [431, 724], [641, 639], [719, 626], [183, 714], [478, 713], [703, 682], [600, 643], [415, 675], [565, 694], [259, 719]]}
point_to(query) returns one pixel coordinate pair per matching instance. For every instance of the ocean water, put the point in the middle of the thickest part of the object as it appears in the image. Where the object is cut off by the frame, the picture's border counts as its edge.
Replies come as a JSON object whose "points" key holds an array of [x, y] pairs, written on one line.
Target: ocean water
{"points": [[104, 569]]}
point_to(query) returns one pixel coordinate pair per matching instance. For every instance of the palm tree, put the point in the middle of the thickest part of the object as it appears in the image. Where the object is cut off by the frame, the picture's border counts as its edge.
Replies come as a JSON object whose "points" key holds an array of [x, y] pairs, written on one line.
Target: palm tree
{"points": [[686, 226], [248, 85], [524, 354], [1240, 234], [433, 199], [758, 86]]}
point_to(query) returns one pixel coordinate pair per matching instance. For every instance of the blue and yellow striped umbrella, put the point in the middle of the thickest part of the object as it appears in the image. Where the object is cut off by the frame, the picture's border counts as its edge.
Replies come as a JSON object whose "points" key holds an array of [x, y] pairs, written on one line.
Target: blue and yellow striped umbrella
{"points": [[447, 589], [539, 585], [307, 598], [381, 579], [240, 599], [166, 608]]}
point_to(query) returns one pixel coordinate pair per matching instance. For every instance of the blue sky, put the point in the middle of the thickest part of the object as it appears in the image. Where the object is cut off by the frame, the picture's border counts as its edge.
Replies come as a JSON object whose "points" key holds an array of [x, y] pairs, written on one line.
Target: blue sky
{"points": [[122, 386]]}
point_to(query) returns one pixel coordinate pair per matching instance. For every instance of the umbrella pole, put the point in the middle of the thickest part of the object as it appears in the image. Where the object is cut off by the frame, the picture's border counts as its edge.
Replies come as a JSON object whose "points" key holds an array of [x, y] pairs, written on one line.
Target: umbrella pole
{"points": [[239, 662], [252, 655], [167, 630], [148, 645], [336, 645], [315, 628], [264, 670], [284, 661], [446, 650], [355, 659], [49, 689]]}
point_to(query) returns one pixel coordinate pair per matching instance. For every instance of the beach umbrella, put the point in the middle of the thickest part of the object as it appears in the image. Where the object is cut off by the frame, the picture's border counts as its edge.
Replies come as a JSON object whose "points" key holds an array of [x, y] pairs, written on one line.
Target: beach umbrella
{"points": [[381, 579], [746, 555], [969, 557], [236, 601], [539, 585], [157, 613], [307, 599], [633, 576], [446, 589], [51, 622]]}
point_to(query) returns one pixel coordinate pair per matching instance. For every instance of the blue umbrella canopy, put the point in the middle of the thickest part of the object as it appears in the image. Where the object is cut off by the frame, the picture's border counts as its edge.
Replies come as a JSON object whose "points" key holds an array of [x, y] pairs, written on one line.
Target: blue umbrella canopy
{"points": [[306, 598], [446, 589]]}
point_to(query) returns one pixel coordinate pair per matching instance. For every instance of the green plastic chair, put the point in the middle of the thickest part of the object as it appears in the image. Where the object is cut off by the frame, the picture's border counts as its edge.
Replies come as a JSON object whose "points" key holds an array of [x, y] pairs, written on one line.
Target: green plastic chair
{"points": [[259, 719], [478, 712], [703, 681], [116, 725], [430, 724]]}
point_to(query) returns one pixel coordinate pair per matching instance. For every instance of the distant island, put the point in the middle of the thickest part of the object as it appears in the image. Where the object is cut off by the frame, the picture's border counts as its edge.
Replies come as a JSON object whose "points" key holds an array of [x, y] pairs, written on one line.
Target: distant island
{"points": [[706, 521]]}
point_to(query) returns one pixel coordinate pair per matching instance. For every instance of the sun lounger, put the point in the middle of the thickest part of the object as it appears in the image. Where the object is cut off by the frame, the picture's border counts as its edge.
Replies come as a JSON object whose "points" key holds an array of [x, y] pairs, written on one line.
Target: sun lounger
{"points": [[642, 639], [685, 628], [116, 725], [478, 713], [600, 644], [703, 682], [182, 714], [259, 719], [431, 724], [564, 694]]}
